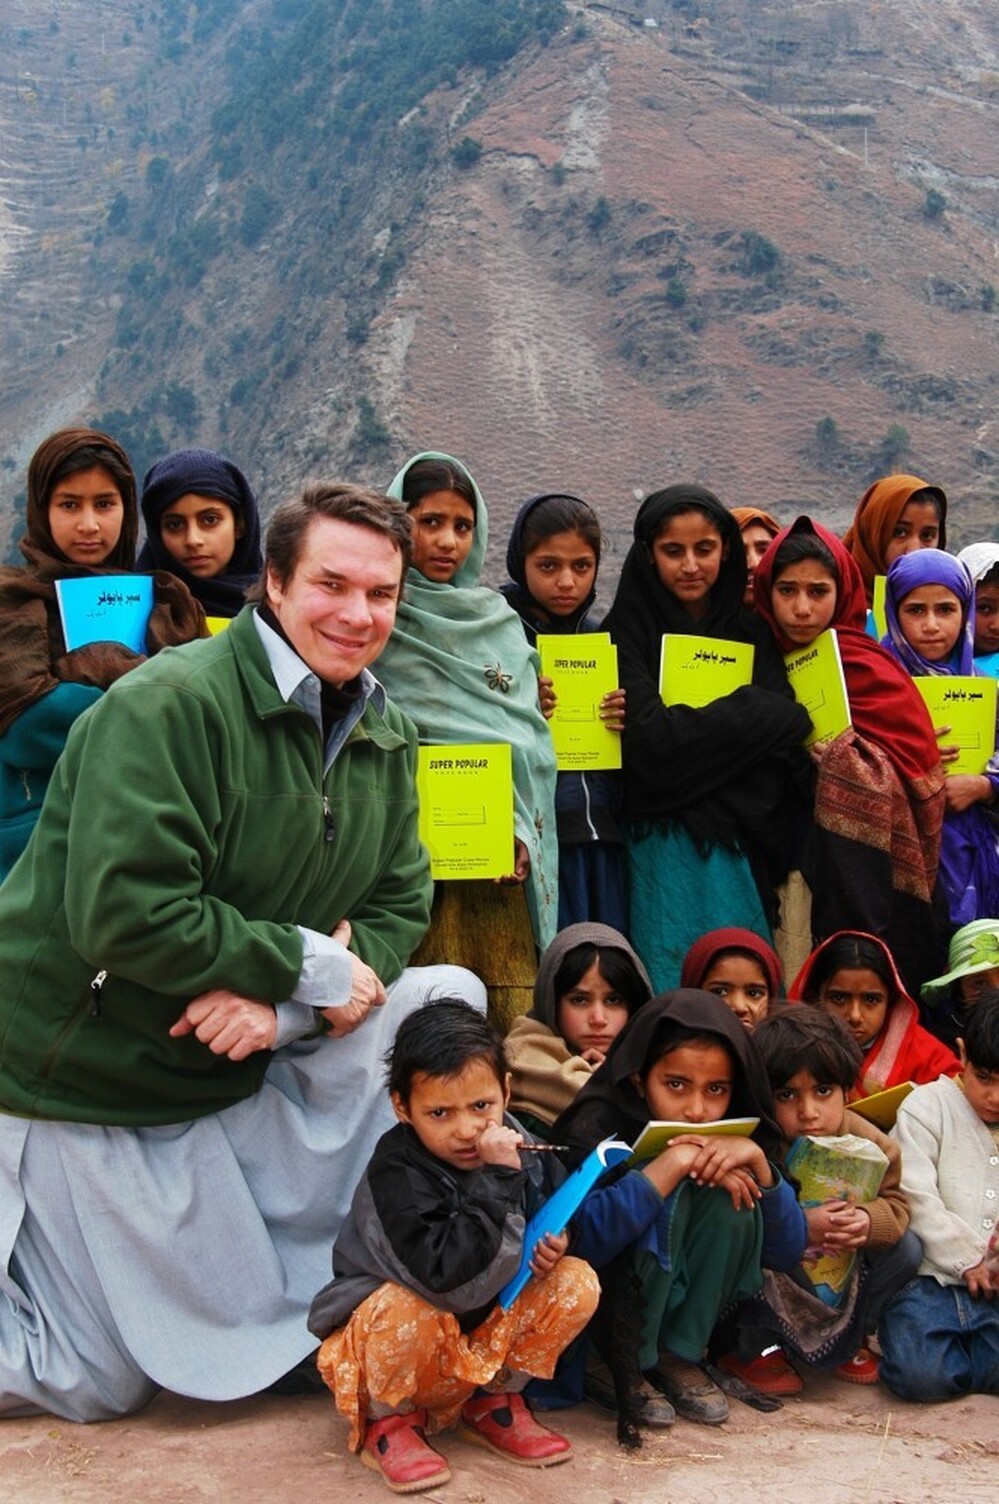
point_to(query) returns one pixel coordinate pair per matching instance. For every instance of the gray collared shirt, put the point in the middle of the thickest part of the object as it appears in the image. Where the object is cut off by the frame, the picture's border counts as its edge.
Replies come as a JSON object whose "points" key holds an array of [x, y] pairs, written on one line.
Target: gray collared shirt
{"points": [[326, 977]]}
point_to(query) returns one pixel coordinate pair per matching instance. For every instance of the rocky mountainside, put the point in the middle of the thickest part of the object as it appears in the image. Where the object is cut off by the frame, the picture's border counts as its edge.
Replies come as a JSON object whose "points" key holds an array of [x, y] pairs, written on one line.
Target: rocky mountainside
{"points": [[598, 246]]}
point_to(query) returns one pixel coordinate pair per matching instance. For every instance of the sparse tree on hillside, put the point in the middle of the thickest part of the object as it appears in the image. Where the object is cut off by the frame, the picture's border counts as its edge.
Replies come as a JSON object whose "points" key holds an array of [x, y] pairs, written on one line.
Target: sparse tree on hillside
{"points": [[935, 204]]}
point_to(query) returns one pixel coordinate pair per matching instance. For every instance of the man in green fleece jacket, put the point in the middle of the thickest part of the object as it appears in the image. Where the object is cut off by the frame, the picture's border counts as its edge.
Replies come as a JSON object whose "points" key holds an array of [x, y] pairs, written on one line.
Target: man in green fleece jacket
{"points": [[227, 861]]}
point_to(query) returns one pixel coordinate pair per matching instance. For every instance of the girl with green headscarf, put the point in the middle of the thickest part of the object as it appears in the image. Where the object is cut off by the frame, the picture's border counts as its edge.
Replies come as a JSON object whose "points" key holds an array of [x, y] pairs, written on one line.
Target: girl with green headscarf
{"points": [[459, 665]]}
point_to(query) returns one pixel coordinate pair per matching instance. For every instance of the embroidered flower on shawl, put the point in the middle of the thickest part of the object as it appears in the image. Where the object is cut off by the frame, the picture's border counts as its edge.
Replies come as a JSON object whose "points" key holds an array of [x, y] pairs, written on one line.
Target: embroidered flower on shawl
{"points": [[496, 678]]}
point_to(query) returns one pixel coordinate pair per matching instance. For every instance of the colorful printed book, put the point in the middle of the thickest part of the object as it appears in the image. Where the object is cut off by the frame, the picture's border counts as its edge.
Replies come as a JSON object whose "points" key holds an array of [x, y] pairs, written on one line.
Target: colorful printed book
{"points": [[656, 1135], [967, 704], [815, 675], [843, 1167], [561, 1207], [582, 669], [696, 671], [466, 810], [105, 608]]}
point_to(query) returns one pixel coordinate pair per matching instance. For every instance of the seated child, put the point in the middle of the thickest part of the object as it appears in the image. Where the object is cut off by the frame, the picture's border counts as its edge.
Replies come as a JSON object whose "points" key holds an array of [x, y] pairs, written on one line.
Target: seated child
{"points": [[737, 966], [854, 975], [411, 1332], [589, 983], [972, 968], [812, 1061], [695, 1222], [940, 1337]]}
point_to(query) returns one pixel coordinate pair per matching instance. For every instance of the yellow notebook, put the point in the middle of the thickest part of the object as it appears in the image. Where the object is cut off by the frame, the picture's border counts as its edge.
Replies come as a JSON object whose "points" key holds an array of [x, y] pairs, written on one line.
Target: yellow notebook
{"points": [[217, 624], [881, 1108], [967, 705], [466, 809], [878, 606], [696, 671], [815, 675], [656, 1135], [582, 669]]}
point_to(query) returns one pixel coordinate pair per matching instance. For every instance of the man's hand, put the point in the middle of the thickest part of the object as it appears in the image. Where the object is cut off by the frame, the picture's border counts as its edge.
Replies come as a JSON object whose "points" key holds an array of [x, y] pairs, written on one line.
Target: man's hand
{"points": [[228, 1024], [366, 991]]}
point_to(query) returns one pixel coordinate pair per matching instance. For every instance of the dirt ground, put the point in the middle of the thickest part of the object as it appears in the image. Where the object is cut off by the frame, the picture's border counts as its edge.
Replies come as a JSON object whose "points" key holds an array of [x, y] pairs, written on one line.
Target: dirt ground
{"points": [[836, 1443]]}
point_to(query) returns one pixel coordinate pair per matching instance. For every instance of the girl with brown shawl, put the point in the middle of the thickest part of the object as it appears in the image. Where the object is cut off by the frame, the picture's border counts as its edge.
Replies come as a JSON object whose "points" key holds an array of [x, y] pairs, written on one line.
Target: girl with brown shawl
{"points": [[758, 529], [896, 515], [75, 473]]}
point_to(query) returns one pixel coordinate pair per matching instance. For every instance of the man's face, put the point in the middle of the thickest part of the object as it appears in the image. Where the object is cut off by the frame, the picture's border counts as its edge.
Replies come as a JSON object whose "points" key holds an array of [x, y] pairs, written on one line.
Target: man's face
{"points": [[339, 605]]}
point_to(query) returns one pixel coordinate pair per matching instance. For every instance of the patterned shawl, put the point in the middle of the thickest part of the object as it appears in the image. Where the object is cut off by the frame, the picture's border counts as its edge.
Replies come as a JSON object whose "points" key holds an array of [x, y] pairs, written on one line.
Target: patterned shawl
{"points": [[881, 784]]}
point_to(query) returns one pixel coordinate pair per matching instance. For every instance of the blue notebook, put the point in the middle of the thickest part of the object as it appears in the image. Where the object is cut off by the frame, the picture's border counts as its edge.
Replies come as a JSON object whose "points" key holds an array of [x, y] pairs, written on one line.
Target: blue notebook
{"points": [[105, 608], [561, 1207]]}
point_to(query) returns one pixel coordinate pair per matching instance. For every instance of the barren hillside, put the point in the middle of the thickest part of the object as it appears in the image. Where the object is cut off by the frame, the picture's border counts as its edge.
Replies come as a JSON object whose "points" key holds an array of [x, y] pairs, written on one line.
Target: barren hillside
{"points": [[750, 244]]}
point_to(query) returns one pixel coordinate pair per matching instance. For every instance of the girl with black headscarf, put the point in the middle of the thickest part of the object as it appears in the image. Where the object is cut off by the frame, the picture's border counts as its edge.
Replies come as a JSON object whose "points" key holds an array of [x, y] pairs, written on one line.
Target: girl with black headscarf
{"points": [[698, 1221], [707, 791], [202, 524], [553, 557]]}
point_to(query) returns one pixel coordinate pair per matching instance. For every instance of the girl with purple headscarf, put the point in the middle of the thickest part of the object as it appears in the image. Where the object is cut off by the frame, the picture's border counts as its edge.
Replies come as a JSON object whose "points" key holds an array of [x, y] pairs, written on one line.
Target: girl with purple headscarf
{"points": [[929, 607]]}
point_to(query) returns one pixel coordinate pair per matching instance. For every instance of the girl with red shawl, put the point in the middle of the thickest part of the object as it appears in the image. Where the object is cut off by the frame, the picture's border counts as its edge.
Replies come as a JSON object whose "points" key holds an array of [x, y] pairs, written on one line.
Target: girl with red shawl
{"points": [[871, 855], [740, 968], [854, 976]]}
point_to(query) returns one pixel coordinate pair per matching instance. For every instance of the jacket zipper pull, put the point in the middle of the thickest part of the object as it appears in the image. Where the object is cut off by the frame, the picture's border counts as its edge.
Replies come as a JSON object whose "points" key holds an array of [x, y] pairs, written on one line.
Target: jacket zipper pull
{"points": [[96, 988], [329, 829]]}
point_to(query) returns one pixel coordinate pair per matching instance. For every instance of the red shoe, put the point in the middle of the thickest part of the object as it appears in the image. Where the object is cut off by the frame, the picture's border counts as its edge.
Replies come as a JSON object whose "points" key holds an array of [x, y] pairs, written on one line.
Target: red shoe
{"points": [[397, 1448], [505, 1424], [862, 1368], [770, 1372]]}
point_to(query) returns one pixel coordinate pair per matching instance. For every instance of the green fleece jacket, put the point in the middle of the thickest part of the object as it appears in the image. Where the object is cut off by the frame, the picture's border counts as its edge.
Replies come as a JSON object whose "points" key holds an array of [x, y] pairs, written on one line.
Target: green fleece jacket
{"points": [[184, 837]]}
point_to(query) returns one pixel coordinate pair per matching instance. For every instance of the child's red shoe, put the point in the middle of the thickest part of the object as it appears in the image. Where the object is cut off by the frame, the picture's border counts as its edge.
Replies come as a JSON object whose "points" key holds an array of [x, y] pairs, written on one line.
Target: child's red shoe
{"points": [[770, 1372], [397, 1448], [504, 1423], [862, 1368]]}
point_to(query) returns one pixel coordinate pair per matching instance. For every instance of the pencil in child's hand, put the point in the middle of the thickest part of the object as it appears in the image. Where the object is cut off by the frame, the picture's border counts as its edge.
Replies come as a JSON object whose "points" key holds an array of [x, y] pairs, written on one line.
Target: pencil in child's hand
{"points": [[545, 1148]]}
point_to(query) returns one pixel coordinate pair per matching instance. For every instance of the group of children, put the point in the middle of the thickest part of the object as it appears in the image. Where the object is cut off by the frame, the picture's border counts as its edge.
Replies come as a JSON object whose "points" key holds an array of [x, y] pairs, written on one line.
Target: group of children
{"points": [[707, 1251], [692, 1269]]}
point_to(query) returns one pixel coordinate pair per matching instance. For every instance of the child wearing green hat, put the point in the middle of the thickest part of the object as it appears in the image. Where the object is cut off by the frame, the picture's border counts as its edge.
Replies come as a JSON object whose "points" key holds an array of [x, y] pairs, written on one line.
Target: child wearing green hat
{"points": [[972, 968]]}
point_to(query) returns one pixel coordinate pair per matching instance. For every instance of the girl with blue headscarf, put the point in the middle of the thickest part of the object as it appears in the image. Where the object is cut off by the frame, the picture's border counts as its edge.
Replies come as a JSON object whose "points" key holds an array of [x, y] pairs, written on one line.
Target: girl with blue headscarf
{"points": [[929, 608]]}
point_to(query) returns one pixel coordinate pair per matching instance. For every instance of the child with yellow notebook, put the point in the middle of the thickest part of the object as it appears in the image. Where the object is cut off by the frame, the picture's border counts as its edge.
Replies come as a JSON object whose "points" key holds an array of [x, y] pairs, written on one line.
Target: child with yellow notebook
{"points": [[709, 791], [929, 603]]}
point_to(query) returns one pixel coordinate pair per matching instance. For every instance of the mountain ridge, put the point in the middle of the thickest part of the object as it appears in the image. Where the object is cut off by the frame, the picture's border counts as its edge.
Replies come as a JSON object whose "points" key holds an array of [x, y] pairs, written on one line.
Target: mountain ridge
{"points": [[667, 252]]}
